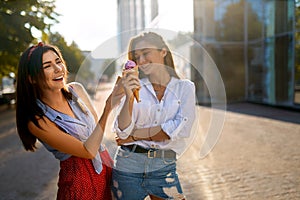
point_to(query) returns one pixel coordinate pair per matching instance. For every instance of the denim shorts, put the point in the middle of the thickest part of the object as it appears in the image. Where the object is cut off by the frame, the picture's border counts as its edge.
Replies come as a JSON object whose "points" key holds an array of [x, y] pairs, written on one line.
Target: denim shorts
{"points": [[135, 176]]}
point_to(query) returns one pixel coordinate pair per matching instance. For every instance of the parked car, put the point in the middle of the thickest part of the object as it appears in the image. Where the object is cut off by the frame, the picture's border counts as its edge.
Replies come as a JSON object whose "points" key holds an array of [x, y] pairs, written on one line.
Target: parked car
{"points": [[8, 89]]}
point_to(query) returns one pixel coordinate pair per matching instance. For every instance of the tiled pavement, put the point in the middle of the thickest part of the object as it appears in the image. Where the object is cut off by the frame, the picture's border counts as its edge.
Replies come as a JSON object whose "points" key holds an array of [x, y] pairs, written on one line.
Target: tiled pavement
{"points": [[256, 157]]}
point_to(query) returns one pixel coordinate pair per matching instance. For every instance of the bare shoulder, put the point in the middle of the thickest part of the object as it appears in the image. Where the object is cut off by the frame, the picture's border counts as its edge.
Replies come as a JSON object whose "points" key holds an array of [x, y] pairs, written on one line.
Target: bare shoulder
{"points": [[84, 96], [78, 87]]}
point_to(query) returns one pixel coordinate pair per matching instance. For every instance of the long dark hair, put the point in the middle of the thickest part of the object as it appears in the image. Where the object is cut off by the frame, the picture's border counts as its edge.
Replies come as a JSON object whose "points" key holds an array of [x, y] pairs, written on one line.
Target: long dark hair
{"points": [[156, 40], [30, 79]]}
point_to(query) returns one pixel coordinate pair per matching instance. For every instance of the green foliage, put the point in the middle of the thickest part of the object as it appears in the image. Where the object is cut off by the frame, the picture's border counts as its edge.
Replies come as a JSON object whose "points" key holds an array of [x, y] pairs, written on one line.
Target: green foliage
{"points": [[19, 19]]}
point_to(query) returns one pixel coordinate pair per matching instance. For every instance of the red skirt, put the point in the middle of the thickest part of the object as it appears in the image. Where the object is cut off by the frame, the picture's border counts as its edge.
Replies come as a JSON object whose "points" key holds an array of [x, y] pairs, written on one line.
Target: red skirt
{"points": [[79, 180]]}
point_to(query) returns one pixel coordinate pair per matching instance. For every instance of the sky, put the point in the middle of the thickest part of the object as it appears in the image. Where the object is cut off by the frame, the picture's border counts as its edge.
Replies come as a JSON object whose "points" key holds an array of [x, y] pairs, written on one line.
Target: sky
{"points": [[91, 22]]}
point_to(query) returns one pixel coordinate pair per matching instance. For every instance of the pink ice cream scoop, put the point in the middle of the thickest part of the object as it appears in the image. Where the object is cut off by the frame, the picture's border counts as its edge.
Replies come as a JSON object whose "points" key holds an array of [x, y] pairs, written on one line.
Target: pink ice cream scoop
{"points": [[130, 64]]}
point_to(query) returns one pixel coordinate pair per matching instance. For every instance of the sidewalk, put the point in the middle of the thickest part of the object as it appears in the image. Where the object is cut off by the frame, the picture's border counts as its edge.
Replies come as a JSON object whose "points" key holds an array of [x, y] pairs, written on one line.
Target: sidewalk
{"points": [[261, 110], [256, 157]]}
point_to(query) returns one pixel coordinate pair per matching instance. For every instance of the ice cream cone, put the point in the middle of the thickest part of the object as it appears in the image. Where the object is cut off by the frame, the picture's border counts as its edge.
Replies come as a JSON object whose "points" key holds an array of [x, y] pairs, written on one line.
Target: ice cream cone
{"points": [[130, 65], [136, 94]]}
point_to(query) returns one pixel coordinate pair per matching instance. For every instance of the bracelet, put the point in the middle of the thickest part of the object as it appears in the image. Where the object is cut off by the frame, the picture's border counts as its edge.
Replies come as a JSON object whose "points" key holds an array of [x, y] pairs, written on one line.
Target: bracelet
{"points": [[133, 138]]}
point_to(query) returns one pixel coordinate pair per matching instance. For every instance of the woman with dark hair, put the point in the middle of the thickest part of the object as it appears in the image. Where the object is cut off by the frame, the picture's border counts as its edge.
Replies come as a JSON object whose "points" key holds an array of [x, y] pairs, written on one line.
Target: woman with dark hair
{"points": [[151, 133], [62, 117]]}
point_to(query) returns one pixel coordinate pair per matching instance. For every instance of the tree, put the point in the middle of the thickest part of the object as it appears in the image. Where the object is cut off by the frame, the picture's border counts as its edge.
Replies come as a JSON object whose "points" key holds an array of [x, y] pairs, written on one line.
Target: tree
{"points": [[19, 20]]}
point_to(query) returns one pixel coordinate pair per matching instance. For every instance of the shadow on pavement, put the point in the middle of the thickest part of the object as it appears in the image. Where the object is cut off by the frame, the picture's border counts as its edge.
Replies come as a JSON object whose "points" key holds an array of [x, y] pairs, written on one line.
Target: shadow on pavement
{"points": [[267, 111]]}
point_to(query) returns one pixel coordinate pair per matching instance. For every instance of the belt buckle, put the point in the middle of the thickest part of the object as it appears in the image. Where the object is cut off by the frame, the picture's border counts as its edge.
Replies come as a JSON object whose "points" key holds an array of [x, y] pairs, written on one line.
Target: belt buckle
{"points": [[150, 155]]}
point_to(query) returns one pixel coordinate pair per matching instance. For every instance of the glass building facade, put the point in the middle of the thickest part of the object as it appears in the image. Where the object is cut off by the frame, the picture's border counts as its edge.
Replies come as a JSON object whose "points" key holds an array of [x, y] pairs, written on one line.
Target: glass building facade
{"points": [[256, 47]]}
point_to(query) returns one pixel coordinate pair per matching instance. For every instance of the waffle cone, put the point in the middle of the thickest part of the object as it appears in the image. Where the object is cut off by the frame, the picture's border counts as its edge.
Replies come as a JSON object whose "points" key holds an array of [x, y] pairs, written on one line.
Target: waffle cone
{"points": [[136, 92]]}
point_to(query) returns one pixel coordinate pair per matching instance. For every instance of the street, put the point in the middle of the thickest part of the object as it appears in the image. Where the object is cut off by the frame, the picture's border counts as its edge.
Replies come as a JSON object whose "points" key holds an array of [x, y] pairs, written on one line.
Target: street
{"points": [[256, 157]]}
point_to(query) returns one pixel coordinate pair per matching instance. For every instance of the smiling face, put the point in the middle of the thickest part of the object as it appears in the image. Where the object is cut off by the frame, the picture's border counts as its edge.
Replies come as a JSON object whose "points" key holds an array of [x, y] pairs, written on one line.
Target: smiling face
{"points": [[54, 71], [149, 58], [152, 55]]}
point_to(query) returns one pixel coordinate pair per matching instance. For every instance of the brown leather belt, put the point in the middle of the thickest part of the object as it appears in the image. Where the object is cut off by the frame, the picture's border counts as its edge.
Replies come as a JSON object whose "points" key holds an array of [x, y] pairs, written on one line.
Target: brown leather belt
{"points": [[151, 153]]}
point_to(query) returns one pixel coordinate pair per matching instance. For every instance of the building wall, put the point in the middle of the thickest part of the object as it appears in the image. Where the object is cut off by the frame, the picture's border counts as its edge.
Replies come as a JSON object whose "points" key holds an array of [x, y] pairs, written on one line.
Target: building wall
{"points": [[253, 46]]}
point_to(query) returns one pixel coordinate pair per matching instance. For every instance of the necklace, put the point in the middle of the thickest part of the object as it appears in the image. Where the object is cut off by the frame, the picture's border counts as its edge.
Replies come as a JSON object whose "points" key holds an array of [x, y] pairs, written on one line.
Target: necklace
{"points": [[159, 90], [157, 86]]}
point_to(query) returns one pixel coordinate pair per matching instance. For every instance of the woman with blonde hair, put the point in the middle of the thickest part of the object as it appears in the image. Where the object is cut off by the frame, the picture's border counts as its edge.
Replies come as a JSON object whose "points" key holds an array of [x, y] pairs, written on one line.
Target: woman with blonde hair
{"points": [[151, 133]]}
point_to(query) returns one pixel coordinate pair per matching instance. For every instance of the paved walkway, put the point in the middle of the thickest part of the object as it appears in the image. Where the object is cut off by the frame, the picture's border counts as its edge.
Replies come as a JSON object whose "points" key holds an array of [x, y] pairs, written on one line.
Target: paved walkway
{"points": [[256, 157]]}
